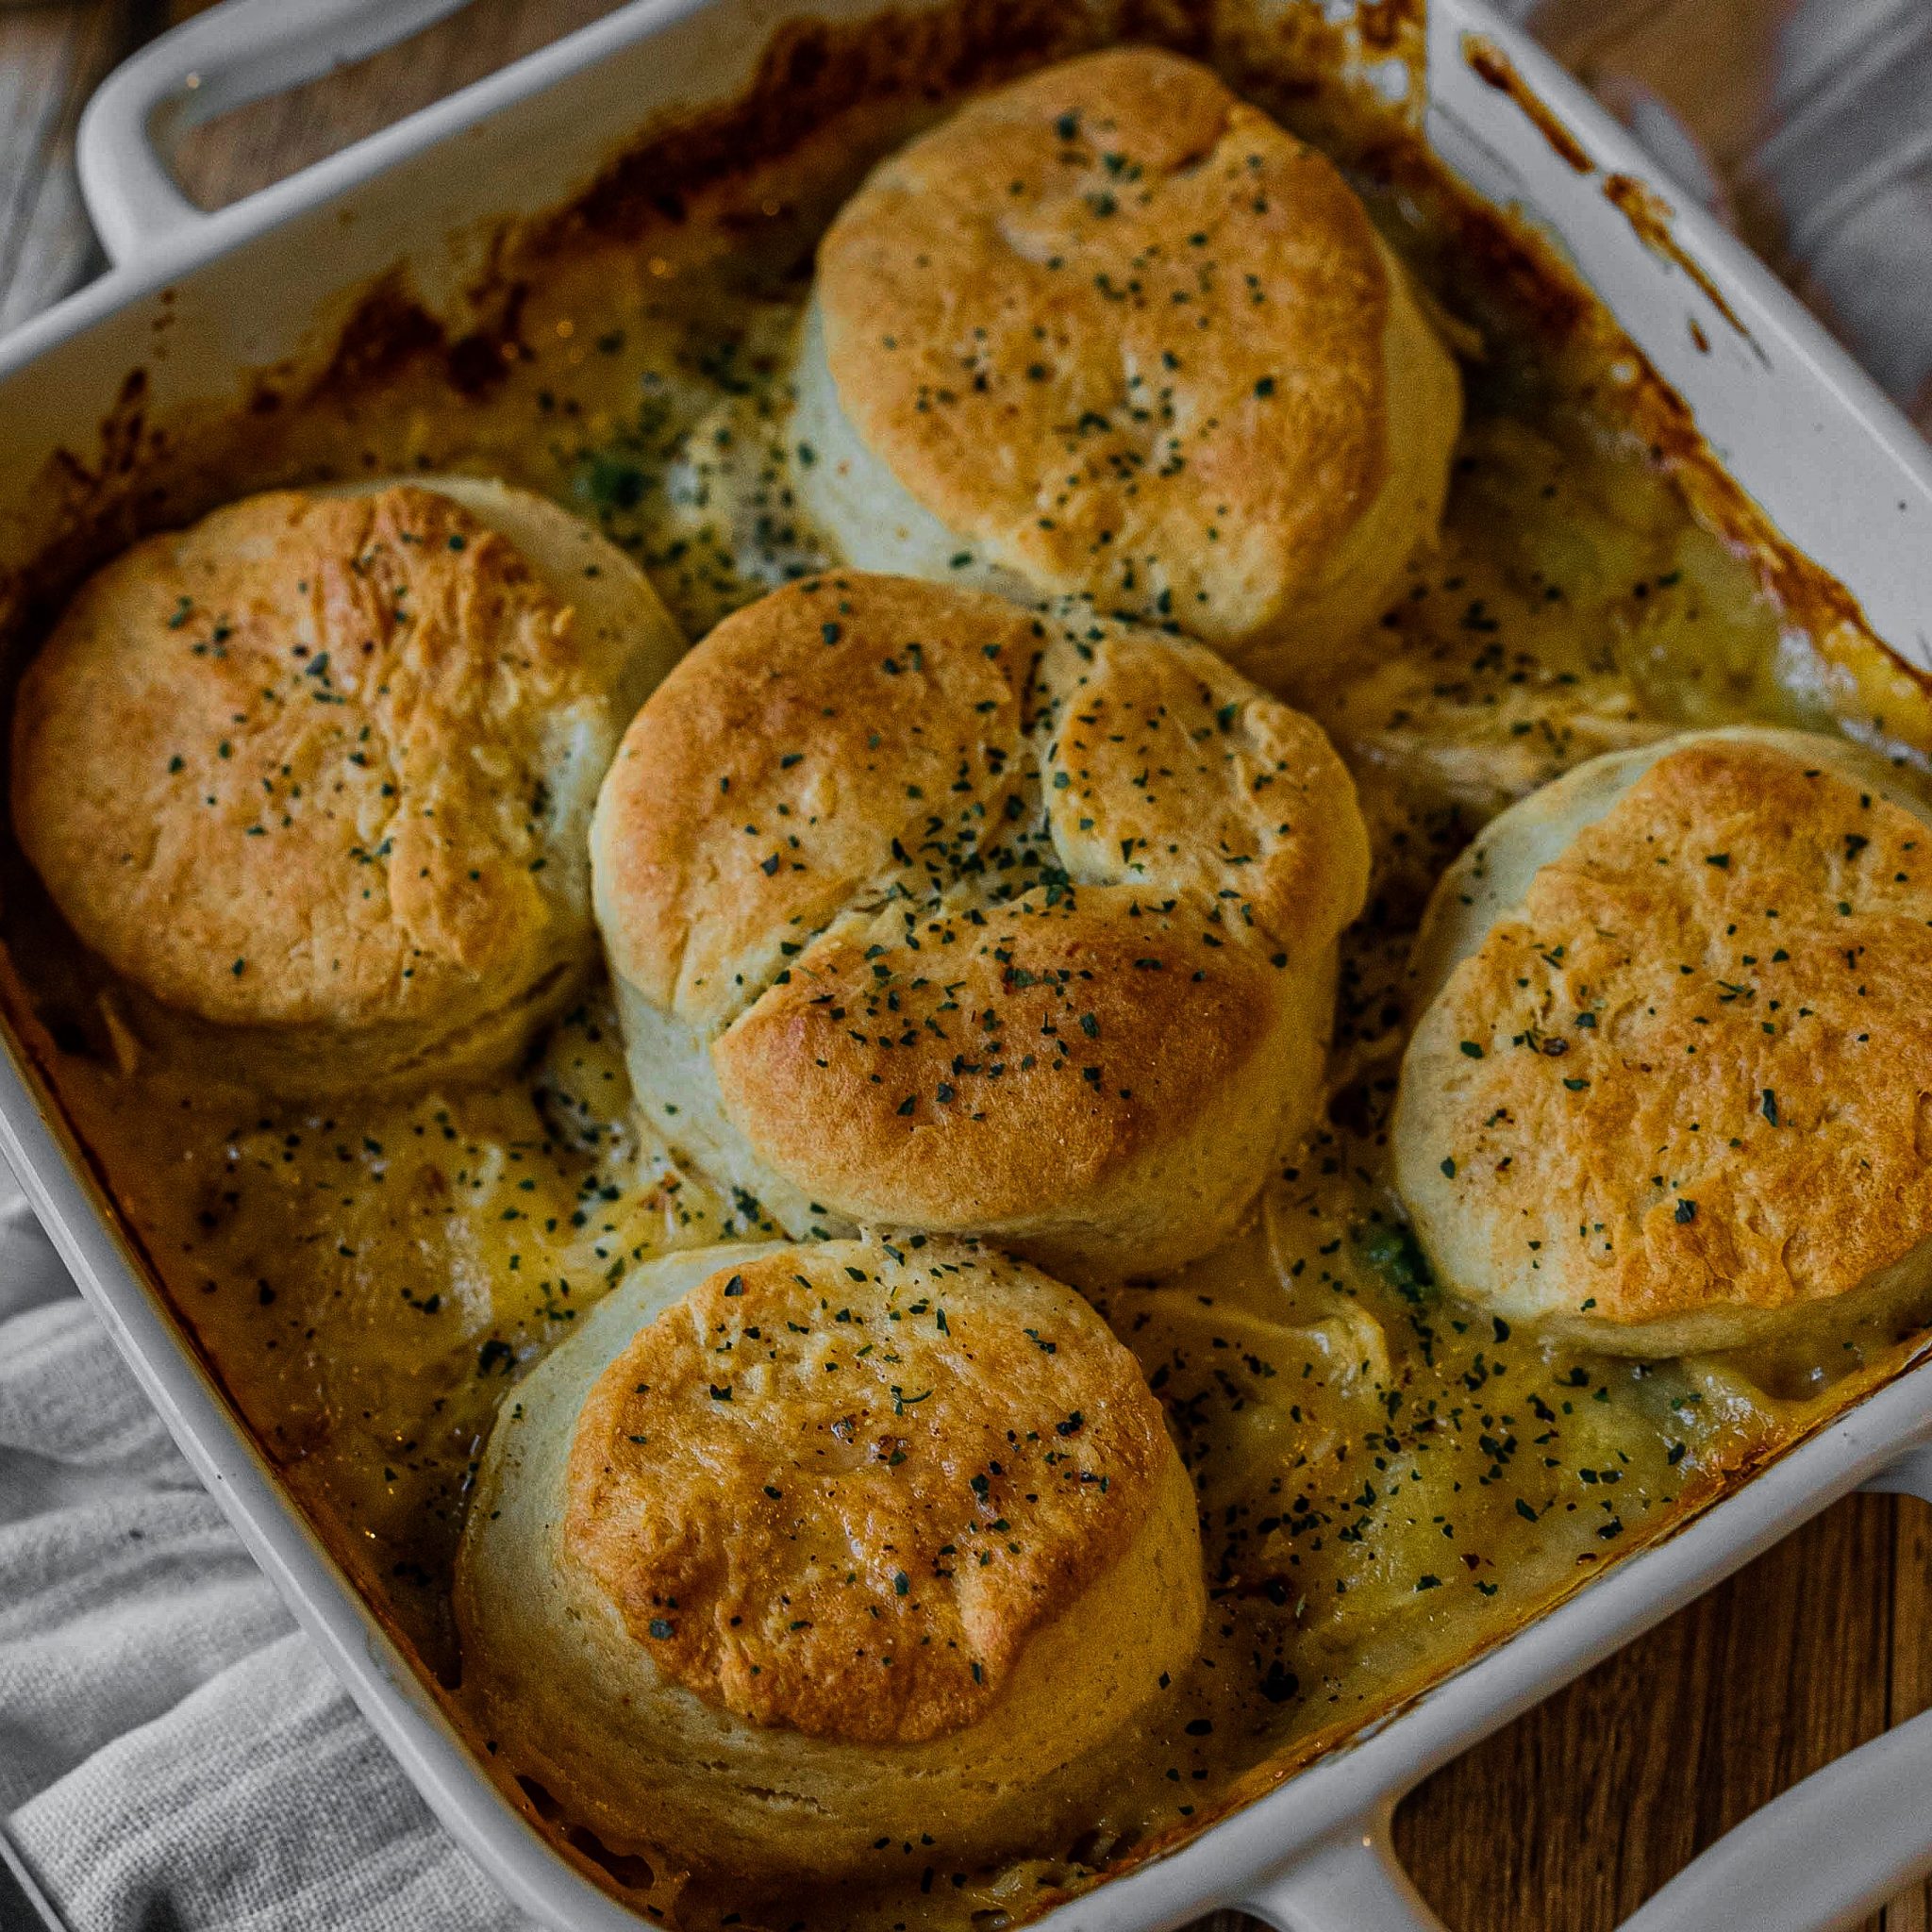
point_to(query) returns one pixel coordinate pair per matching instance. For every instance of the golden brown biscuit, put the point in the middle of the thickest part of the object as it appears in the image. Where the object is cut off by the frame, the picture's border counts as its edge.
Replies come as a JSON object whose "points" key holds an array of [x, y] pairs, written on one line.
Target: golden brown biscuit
{"points": [[1670, 1091], [1112, 331], [925, 911], [313, 775], [793, 1548]]}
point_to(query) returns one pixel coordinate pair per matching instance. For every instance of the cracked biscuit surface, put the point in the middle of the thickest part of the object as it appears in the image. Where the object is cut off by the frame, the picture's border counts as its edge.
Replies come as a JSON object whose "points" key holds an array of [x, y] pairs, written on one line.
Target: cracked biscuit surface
{"points": [[929, 912]]}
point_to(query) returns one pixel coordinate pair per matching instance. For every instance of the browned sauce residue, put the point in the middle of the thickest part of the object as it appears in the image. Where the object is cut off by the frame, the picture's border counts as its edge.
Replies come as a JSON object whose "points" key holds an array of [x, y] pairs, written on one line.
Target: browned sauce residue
{"points": [[1494, 68], [1650, 217]]}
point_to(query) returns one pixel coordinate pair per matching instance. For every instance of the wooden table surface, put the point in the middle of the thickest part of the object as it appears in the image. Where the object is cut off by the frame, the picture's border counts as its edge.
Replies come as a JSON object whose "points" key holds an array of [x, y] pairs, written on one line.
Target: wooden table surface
{"points": [[1570, 1818]]}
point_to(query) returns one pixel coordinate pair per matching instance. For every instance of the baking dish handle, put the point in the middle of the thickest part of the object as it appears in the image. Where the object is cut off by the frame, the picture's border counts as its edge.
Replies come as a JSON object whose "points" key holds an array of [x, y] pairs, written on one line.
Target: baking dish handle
{"points": [[1832, 1850], [1351, 1881], [1824, 1857], [225, 58], [1820, 1858]]}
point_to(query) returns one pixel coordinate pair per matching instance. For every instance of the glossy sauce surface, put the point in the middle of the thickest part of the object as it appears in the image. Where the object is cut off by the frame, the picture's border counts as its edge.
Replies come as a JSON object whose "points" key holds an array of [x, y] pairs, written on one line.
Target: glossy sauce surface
{"points": [[1387, 1480]]}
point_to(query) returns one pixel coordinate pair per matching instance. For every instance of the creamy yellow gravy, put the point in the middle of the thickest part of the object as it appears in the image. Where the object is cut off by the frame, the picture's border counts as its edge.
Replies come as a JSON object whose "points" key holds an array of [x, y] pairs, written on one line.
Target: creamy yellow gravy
{"points": [[1388, 1480]]}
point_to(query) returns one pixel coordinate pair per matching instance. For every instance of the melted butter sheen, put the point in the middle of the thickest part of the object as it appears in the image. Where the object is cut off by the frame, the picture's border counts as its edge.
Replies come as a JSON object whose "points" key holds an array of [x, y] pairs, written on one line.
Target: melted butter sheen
{"points": [[1386, 1480]]}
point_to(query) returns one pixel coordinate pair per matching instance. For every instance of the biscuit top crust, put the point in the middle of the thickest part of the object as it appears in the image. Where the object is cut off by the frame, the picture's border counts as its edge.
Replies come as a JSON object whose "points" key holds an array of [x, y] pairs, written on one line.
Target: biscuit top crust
{"points": [[1696, 1069], [833, 736], [931, 858], [288, 765], [839, 1490], [1124, 330], [853, 741]]}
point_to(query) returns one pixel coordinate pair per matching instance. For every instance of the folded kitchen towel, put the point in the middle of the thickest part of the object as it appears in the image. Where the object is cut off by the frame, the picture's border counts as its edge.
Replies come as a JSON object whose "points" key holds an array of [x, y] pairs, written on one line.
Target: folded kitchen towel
{"points": [[173, 1755]]}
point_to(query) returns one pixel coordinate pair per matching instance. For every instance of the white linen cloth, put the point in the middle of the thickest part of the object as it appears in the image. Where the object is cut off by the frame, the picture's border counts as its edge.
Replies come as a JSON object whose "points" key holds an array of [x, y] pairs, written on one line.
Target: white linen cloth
{"points": [[173, 1755]]}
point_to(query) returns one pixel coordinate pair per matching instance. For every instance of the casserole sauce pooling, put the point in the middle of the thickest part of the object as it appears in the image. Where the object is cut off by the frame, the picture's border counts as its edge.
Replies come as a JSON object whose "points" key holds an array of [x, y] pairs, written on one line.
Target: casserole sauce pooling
{"points": [[1387, 1481]]}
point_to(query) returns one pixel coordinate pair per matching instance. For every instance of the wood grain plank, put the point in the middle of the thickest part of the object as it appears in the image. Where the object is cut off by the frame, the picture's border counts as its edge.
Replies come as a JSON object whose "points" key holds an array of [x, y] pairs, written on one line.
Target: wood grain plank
{"points": [[1909, 1672]]}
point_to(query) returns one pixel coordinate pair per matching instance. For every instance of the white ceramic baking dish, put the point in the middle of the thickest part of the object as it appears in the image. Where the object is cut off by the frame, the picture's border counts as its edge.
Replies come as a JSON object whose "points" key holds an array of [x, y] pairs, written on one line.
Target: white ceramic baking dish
{"points": [[199, 299]]}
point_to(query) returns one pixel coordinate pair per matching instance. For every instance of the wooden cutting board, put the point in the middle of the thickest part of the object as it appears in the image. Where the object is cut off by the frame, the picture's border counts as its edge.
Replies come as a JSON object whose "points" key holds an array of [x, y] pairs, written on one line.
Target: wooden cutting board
{"points": [[1568, 1820]]}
